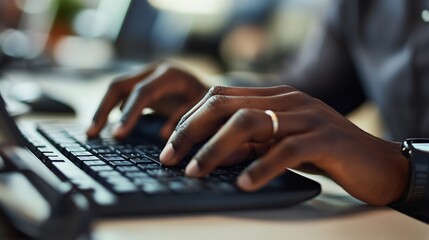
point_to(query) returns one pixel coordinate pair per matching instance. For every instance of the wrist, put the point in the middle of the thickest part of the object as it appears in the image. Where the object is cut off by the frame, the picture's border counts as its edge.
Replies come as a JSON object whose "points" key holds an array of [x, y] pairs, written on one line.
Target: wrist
{"points": [[403, 175]]}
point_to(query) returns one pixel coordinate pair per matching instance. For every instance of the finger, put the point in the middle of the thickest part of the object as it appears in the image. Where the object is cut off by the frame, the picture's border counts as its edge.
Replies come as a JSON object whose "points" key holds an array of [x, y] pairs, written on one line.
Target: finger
{"points": [[291, 152], [204, 123], [212, 115], [172, 121], [117, 92], [112, 97], [157, 86], [237, 91], [247, 152], [245, 126]]}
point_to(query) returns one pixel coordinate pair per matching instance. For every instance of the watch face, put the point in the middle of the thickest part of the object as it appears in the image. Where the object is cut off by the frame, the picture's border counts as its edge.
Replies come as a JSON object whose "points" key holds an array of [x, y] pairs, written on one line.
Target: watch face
{"points": [[421, 146]]}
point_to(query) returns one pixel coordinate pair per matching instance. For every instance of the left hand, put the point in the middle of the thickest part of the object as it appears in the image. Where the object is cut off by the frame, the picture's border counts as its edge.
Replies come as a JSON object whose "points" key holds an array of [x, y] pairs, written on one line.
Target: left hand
{"points": [[310, 132]]}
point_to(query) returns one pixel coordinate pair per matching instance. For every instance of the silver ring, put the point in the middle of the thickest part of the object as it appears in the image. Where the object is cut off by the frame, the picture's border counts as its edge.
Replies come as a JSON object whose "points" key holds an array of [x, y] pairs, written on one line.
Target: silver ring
{"points": [[274, 120]]}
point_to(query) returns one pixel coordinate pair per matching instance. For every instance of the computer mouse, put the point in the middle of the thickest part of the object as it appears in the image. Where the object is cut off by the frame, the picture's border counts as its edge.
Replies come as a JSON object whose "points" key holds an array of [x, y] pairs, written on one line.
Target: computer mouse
{"points": [[48, 104], [32, 94]]}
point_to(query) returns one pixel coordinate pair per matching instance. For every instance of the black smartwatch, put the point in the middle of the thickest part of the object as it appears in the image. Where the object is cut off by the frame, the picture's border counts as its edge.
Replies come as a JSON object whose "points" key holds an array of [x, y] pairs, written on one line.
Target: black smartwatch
{"points": [[417, 152]]}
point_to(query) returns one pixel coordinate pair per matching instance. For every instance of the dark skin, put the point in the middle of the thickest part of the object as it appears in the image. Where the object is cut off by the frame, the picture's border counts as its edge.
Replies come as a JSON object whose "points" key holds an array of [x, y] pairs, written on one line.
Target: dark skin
{"points": [[234, 120]]}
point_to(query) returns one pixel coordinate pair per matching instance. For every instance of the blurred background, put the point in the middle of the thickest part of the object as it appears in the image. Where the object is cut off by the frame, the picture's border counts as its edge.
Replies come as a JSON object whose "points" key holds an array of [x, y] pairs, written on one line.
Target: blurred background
{"points": [[56, 39], [100, 35]]}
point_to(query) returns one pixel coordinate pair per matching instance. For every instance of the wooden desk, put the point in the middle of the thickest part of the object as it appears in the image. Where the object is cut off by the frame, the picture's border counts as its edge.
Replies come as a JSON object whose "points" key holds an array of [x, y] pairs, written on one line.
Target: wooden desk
{"points": [[332, 215]]}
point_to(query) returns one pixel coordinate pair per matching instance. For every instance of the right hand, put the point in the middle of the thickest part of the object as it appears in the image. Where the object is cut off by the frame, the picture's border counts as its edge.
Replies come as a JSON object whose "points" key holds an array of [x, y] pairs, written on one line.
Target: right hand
{"points": [[165, 88]]}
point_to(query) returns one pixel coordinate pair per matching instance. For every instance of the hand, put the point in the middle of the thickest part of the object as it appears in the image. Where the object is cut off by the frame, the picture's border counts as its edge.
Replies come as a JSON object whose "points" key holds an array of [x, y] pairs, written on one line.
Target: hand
{"points": [[310, 132], [162, 87]]}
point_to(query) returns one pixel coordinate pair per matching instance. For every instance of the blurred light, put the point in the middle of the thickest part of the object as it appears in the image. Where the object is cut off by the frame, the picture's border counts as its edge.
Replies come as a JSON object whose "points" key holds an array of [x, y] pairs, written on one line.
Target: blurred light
{"points": [[33, 6], [425, 15], [83, 53], [26, 91], [90, 23], [15, 43], [192, 6]]}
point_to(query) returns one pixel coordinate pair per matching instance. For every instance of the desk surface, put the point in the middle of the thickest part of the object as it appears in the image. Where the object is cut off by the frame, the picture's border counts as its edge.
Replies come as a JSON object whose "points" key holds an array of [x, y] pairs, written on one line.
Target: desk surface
{"points": [[332, 215]]}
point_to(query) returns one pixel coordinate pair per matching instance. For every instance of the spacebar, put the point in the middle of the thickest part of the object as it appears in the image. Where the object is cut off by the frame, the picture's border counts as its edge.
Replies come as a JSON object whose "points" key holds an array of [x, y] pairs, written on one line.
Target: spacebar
{"points": [[67, 171]]}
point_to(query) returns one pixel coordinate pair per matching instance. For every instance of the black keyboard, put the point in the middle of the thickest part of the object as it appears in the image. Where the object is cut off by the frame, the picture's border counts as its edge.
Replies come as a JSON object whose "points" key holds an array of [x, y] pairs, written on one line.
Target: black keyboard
{"points": [[126, 177], [126, 167]]}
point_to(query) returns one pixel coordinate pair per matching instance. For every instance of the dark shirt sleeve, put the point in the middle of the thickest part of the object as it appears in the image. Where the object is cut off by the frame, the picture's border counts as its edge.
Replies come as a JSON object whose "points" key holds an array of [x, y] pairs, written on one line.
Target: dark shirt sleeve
{"points": [[324, 67], [325, 70]]}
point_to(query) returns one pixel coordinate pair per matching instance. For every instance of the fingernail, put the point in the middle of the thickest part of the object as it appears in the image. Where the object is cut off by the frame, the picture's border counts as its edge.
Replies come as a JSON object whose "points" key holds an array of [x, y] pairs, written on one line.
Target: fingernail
{"points": [[167, 154], [91, 130], [244, 181], [192, 169], [118, 131], [116, 127]]}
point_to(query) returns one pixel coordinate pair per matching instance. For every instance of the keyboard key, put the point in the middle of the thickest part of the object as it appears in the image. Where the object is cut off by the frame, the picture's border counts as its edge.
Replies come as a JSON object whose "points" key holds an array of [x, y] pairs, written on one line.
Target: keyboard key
{"points": [[228, 177], [114, 158], [143, 160], [162, 173], [65, 145], [219, 172], [108, 155], [108, 173], [149, 166], [62, 170], [55, 159], [132, 155], [143, 181], [120, 163], [51, 154], [116, 180], [45, 150], [80, 159], [137, 175], [196, 184], [100, 168], [128, 169], [102, 151], [127, 151], [125, 188], [154, 188], [87, 158], [87, 164], [225, 187], [82, 153], [179, 187], [75, 149]]}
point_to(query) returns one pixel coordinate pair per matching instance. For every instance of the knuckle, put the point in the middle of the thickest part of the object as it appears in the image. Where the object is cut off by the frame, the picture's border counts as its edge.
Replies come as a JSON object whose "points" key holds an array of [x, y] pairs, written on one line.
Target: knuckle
{"points": [[290, 147], [284, 89], [216, 101], [314, 118], [115, 84], [140, 87], [298, 95], [244, 118], [297, 98], [217, 90], [182, 120], [182, 131]]}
